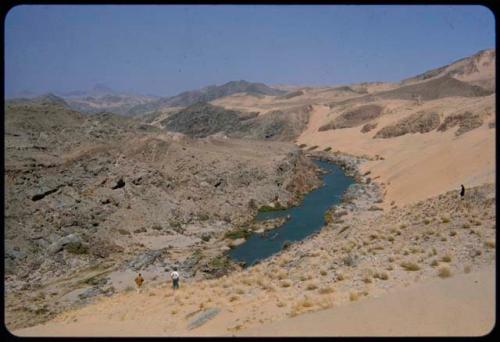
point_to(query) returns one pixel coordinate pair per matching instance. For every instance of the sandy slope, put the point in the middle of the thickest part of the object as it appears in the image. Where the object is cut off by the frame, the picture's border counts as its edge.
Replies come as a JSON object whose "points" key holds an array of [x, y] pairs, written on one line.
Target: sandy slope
{"points": [[416, 166], [459, 306]]}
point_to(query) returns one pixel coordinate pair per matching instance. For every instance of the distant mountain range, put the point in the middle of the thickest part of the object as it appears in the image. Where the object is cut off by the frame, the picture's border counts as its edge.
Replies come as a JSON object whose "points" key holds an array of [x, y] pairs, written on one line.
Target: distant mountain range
{"points": [[207, 94], [102, 98], [470, 75]]}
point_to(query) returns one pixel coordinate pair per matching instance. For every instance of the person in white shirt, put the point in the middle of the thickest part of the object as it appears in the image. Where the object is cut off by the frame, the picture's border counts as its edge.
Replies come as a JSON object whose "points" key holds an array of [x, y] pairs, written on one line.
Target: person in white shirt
{"points": [[175, 278]]}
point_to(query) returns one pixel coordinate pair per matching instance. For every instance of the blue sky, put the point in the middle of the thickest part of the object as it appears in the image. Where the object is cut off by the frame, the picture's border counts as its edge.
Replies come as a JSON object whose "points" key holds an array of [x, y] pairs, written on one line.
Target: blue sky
{"points": [[164, 50]]}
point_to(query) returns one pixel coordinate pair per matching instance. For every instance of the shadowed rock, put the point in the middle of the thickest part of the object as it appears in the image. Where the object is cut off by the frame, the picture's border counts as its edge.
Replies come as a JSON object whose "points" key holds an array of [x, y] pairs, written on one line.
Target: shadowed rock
{"points": [[203, 317]]}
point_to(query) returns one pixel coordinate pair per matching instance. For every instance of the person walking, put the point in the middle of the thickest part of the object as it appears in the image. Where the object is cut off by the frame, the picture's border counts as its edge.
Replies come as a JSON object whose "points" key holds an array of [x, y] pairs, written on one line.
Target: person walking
{"points": [[138, 283], [462, 191], [175, 278]]}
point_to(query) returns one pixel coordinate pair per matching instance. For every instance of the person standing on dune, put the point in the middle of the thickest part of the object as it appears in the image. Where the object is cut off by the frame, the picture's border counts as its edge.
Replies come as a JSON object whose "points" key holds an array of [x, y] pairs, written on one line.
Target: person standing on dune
{"points": [[138, 282], [462, 191], [175, 278]]}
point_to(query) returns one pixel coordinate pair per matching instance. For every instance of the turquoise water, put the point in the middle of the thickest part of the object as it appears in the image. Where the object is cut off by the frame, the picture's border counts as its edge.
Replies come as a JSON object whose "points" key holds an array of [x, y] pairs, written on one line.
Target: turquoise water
{"points": [[305, 219]]}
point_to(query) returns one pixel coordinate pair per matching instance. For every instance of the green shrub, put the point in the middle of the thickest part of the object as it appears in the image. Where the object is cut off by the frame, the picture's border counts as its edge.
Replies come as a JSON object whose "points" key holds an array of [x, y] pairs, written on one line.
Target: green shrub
{"points": [[76, 248], [267, 208], [238, 234], [203, 217]]}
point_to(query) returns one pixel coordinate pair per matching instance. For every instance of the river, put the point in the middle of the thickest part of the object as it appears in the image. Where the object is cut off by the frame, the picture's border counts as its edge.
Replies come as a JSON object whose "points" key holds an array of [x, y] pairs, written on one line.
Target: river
{"points": [[305, 219]]}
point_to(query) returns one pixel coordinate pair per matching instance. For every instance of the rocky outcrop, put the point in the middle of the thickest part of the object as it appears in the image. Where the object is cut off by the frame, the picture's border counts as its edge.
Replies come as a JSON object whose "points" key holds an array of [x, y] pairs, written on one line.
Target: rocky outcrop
{"points": [[203, 317], [143, 260], [368, 127], [355, 117], [203, 119], [421, 122], [466, 122], [71, 241]]}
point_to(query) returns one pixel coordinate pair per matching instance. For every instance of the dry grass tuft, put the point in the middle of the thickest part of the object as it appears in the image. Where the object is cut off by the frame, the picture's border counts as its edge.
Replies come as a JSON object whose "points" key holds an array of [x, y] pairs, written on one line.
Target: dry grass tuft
{"points": [[280, 304], [326, 290], [410, 266], [353, 296], [311, 286], [490, 243], [299, 306], [446, 258], [444, 272], [381, 275], [282, 275], [285, 283]]}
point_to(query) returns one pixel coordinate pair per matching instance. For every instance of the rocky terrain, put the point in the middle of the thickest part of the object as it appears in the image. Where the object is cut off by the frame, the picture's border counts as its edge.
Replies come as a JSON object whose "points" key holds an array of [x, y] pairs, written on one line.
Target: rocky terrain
{"points": [[90, 197]]}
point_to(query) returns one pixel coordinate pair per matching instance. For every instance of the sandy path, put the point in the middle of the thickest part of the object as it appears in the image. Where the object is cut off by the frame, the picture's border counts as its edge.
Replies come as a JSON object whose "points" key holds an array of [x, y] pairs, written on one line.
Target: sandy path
{"points": [[458, 306]]}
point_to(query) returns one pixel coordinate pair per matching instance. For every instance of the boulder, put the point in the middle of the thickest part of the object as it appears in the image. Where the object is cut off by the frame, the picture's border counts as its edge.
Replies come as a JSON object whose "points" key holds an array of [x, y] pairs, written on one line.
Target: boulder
{"points": [[71, 239], [144, 260], [90, 292], [203, 317], [237, 242]]}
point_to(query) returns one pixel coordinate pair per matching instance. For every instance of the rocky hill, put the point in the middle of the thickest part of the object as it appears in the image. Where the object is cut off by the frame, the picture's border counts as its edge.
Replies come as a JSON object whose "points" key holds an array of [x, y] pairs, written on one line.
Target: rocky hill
{"points": [[478, 69], [93, 198], [204, 119]]}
